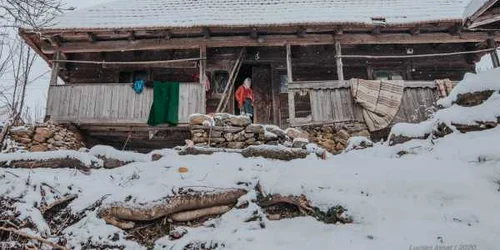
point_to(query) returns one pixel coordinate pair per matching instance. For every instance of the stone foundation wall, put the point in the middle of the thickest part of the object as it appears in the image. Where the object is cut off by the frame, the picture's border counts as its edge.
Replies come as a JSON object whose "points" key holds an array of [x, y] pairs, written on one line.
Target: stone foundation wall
{"points": [[45, 137], [334, 137], [235, 132]]}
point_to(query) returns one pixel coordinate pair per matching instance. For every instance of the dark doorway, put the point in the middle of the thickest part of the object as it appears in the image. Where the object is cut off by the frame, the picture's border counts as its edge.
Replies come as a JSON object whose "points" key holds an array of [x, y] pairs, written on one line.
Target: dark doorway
{"points": [[261, 82], [245, 71], [261, 86]]}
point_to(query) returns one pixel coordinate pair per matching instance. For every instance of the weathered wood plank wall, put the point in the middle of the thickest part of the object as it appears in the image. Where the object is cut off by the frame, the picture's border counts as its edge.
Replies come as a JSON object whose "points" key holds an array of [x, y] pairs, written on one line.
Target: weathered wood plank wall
{"points": [[331, 102], [114, 103]]}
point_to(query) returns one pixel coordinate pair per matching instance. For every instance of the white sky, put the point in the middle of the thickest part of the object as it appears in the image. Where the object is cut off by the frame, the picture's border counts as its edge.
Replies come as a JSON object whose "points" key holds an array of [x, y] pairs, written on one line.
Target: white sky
{"points": [[37, 91]]}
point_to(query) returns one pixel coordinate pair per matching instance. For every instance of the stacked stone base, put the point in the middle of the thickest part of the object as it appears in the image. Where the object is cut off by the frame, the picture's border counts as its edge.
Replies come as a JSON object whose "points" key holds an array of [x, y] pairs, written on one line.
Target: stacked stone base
{"points": [[334, 137], [45, 137], [235, 132]]}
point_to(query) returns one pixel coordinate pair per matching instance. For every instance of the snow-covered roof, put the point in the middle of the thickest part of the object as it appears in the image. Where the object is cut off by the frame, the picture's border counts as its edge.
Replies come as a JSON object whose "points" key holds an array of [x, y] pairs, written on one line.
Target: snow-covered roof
{"points": [[195, 13], [474, 6]]}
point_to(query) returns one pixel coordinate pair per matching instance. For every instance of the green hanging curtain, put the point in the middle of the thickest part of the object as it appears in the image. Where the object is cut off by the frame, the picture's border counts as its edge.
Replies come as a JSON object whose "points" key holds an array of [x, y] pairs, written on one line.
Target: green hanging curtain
{"points": [[165, 108]]}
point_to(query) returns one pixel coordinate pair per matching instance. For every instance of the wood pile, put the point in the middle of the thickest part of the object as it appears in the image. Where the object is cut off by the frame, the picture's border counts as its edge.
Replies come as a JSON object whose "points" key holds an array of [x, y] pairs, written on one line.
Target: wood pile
{"points": [[41, 138], [334, 137]]}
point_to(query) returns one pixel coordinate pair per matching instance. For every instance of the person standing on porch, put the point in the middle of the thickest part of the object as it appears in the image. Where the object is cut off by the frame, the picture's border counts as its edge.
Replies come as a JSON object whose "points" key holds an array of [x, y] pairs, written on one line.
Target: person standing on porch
{"points": [[244, 98]]}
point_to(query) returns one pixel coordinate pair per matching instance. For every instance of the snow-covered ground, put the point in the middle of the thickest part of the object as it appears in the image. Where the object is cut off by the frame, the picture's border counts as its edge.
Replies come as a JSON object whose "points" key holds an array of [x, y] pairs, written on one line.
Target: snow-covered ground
{"points": [[422, 193]]}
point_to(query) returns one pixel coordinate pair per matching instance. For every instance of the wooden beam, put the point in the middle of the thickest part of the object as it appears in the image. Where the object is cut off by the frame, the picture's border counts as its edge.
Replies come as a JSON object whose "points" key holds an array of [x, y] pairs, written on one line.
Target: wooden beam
{"points": [[131, 36], [377, 30], [254, 33], [456, 30], [167, 34], [494, 54], [338, 58], [55, 41], [92, 37], [291, 106], [137, 66], [481, 10], [488, 17], [55, 69], [228, 90], [289, 63], [205, 32], [270, 40], [415, 30], [301, 32], [203, 67]]}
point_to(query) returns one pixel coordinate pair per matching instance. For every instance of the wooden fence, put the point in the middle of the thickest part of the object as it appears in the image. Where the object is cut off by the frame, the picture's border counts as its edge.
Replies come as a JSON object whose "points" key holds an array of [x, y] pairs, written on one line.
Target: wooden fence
{"points": [[114, 103], [331, 102]]}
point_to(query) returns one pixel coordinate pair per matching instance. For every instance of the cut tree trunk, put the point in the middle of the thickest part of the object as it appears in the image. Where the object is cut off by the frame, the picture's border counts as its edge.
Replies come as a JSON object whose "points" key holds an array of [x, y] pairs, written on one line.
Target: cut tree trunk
{"points": [[277, 153], [64, 199], [300, 201], [50, 163], [199, 213], [205, 151], [178, 203]]}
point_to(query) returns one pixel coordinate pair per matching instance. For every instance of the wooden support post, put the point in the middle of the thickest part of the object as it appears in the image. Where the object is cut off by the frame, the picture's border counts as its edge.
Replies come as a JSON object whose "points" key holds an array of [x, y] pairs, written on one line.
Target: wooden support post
{"points": [[291, 94], [55, 68], [338, 58], [203, 67], [291, 106], [289, 62], [494, 54]]}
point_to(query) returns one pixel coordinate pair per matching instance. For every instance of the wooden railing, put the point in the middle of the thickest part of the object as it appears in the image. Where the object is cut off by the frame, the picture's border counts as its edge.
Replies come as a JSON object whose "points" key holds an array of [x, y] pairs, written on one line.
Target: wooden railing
{"points": [[100, 103]]}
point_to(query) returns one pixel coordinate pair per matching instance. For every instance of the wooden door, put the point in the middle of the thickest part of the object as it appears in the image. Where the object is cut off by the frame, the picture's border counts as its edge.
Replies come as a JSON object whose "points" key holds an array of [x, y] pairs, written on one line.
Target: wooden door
{"points": [[261, 85]]}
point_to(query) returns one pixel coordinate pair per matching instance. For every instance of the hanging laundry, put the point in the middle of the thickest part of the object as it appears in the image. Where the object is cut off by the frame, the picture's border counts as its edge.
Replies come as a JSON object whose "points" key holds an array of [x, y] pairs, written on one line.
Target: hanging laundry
{"points": [[165, 107], [138, 86], [206, 81]]}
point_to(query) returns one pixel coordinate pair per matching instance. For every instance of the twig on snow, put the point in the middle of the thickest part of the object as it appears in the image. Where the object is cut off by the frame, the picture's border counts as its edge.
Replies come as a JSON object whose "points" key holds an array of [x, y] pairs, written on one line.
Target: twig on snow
{"points": [[33, 237]]}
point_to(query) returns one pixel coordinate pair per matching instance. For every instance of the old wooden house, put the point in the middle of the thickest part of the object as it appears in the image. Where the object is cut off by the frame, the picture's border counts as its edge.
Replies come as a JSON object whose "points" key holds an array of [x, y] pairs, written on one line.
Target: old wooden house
{"points": [[298, 53]]}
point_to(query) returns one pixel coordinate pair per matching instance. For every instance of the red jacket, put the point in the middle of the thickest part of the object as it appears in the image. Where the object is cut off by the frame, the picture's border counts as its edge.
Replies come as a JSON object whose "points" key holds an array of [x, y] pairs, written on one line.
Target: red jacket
{"points": [[243, 93]]}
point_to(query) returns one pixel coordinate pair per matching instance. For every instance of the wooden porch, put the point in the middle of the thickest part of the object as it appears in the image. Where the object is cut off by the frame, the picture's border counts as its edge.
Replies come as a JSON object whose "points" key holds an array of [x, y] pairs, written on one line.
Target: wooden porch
{"points": [[114, 114], [331, 102], [114, 103]]}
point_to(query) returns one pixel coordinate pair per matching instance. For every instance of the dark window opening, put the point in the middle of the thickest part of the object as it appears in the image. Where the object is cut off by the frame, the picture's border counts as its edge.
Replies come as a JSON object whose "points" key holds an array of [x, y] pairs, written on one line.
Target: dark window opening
{"points": [[219, 82], [387, 75], [302, 105]]}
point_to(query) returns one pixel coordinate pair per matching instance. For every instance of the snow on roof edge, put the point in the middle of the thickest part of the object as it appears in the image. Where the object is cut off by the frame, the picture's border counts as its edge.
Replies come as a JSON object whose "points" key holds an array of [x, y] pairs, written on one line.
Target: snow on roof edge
{"points": [[89, 28], [474, 6], [123, 14]]}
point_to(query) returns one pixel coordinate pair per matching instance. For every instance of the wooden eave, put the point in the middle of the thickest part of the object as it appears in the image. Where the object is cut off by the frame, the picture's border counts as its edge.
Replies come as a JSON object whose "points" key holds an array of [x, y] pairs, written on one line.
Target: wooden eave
{"points": [[33, 41], [49, 41], [482, 17]]}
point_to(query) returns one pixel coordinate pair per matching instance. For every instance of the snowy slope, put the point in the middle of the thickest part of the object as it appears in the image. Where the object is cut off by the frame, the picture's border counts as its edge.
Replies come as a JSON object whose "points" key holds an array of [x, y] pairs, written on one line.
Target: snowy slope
{"points": [[440, 193]]}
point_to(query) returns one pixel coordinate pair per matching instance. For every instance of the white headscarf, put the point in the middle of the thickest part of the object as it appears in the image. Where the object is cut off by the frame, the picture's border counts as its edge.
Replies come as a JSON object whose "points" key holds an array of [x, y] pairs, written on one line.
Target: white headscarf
{"points": [[247, 83]]}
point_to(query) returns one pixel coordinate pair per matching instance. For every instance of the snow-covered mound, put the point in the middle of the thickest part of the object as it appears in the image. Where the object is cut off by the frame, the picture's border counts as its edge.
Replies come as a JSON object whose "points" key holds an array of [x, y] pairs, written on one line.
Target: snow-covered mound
{"points": [[488, 80], [484, 111], [419, 193]]}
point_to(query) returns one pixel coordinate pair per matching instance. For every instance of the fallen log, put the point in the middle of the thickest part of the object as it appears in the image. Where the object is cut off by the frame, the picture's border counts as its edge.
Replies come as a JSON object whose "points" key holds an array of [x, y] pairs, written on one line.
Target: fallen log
{"points": [[479, 126], [33, 237], [199, 213], [64, 199], [124, 225], [275, 152], [204, 151], [300, 201], [49, 163], [174, 204]]}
